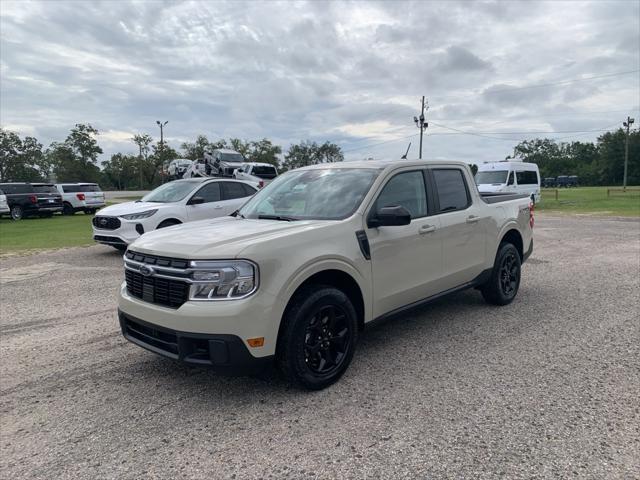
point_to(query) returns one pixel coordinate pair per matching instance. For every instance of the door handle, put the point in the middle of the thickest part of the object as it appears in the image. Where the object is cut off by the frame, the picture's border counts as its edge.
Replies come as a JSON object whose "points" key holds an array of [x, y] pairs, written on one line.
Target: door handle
{"points": [[426, 229], [472, 219]]}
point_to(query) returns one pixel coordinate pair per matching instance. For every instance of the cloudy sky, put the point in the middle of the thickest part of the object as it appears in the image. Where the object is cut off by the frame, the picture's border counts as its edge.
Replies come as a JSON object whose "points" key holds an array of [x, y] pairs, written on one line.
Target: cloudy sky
{"points": [[352, 73]]}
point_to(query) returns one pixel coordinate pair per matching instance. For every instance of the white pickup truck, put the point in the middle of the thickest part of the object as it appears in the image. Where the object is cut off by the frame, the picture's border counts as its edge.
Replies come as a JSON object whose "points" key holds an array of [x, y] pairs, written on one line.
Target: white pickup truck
{"points": [[312, 259], [258, 174]]}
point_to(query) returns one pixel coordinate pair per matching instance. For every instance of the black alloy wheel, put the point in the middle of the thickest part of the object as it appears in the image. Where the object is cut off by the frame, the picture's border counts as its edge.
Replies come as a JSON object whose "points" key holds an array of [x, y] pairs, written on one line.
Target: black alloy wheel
{"points": [[17, 212], [327, 340], [509, 274]]}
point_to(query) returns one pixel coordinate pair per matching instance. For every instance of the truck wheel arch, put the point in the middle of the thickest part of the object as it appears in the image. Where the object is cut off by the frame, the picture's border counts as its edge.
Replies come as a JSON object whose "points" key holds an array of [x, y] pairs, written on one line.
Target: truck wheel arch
{"points": [[513, 237], [338, 278]]}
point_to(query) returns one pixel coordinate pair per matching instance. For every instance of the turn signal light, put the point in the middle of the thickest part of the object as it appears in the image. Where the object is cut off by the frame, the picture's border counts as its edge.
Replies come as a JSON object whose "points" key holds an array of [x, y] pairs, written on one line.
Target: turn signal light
{"points": [[256, 342]]}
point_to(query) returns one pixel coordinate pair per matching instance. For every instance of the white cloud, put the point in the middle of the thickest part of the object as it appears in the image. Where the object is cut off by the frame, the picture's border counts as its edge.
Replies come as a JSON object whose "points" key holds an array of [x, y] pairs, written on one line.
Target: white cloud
{"points": [[351, 72]]}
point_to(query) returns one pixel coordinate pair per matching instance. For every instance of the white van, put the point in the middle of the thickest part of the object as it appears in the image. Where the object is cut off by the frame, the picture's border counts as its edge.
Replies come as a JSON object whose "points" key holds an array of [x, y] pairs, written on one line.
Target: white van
{"points": [[509, 177]]}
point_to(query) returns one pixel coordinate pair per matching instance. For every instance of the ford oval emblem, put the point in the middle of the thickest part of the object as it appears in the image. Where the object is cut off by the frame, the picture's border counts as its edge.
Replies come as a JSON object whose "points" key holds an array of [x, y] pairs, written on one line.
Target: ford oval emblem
{"points": [[146, 270], [103, 221]]}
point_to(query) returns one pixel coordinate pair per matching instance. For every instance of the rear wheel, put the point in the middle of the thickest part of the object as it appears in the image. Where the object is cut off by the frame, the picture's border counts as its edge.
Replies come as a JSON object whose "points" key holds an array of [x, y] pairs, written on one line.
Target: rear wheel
{"points": [[91, 211], [317, 338], [67, 209], [17, 212], [504, 282]]}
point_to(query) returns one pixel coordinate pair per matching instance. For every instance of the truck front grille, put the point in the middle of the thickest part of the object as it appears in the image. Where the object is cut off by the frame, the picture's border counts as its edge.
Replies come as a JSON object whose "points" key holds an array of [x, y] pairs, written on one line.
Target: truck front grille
{"points": [[159, 291]]}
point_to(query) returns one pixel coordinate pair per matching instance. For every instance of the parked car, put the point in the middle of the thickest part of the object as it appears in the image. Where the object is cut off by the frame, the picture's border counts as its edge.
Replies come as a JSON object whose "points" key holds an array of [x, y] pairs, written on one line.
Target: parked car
{"points": [[4, 206], [31, 199], [259, 174], [178, 167], [170, 204], [316, 256], [562, 181], [509, 177], [80, 197], [549, 182], [572, 181], [222, 162]]}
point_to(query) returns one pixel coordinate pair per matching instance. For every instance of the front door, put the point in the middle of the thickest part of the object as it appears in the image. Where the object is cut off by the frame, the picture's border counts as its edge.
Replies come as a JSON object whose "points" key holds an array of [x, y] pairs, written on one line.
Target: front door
{"points": [[211, 207], [406, 260]]}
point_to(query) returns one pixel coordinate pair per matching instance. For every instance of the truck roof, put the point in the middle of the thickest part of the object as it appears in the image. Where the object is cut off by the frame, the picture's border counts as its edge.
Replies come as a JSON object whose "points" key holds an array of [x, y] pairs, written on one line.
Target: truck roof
{"points": [[379, 164]]}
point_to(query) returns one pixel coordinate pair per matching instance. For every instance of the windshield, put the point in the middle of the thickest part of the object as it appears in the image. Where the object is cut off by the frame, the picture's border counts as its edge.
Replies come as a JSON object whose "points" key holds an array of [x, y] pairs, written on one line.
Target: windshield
{"points": [[324, 194], [44, 189], [171, 192], [492, 176], [231, 157]]}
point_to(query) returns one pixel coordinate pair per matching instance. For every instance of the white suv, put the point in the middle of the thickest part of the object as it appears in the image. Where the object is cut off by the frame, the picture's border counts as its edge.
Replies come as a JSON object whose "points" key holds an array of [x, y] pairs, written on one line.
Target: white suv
{"points": [[80, 197], [260, 174], [170, 204]]}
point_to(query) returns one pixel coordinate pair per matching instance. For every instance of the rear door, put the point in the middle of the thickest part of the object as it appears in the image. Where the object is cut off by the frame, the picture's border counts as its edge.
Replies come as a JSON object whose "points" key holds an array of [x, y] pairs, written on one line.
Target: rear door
{"points": [[92, 194], [462, 226], [234, 195], [406, 260]]}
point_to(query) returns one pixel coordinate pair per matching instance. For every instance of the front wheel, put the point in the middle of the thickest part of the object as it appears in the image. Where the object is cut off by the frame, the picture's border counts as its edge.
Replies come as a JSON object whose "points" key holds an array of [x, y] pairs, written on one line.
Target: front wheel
{"points": [[504, 282], [17, 212], [318, 337]]}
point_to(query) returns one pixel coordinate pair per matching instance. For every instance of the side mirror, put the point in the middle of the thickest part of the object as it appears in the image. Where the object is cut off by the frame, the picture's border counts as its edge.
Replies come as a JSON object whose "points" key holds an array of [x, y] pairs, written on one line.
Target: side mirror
{"points": [[196, 201], [391, 216]]}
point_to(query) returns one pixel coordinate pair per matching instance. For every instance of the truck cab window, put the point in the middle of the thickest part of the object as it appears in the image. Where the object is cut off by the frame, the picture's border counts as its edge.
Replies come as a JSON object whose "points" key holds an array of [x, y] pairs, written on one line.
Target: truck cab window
{"points": [[407, 190], [451, 189]]}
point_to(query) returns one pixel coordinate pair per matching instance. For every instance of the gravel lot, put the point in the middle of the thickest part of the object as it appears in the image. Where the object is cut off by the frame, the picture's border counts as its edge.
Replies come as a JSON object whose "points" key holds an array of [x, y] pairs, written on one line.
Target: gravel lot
{"points": [[546, 387]]}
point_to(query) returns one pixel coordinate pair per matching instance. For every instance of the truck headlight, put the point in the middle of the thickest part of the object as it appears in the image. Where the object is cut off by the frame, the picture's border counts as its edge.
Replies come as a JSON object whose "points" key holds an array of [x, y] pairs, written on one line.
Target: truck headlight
{"points": [[224, 279], [138, 216]]}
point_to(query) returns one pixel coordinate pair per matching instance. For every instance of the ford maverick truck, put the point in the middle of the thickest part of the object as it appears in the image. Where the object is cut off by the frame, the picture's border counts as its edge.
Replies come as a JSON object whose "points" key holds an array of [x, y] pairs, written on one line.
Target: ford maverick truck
{"points": [[316, 256]]}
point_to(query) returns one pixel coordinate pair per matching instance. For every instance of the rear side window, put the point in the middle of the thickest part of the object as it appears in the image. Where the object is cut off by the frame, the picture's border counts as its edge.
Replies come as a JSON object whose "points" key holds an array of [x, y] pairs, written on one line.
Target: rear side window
{"points": [[451, 190], [70, 188], [231, 190], [90, 188], [527, 178], [407, 190], [264, 172], [16, 188], [248, 190]]}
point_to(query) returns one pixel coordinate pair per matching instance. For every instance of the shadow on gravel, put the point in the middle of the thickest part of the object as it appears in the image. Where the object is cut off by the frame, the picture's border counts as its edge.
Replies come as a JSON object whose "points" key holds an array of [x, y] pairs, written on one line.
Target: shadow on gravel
{"points": [[409, 335]]}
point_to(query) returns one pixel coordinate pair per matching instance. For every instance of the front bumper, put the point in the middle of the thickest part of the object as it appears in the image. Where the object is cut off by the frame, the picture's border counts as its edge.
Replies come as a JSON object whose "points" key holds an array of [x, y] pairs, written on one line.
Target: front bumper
{"points": [[226, 354], [124, 235]]}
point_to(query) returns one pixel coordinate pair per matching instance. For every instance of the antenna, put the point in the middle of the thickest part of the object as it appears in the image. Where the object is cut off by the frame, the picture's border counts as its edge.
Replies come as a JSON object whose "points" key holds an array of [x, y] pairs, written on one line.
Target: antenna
{"points": [[404, 157]]}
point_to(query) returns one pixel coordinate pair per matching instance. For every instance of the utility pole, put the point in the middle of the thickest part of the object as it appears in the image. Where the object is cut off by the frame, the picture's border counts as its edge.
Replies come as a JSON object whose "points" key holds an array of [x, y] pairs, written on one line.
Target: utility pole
{"points": [[161, 125], [626, 151], [421, 124]]}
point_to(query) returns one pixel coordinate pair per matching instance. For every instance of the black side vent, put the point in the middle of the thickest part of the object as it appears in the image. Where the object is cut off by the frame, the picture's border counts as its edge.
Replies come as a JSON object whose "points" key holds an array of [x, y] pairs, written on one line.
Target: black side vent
{"points": [[363, 241]]}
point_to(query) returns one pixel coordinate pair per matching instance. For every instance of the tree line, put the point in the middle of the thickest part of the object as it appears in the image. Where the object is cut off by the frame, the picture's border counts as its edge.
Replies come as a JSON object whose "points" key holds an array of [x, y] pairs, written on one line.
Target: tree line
{"points": [[76, 158]]}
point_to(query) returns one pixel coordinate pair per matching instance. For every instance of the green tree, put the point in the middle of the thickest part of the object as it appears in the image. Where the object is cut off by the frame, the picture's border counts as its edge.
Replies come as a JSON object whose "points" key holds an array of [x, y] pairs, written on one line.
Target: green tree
{"points": [[121, 171], [21, 160], [310, 153], [75, 160], [195, 150], [263, 151]]}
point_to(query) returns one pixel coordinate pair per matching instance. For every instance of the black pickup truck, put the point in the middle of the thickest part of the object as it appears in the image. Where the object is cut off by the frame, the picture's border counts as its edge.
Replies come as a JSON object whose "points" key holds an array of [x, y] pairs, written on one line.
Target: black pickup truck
{"points": [[32, 199]]}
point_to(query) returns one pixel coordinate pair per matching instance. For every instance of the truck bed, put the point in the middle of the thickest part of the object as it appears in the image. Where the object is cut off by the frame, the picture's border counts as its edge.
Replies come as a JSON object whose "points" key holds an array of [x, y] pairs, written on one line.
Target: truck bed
{"points": [[502, 197]]}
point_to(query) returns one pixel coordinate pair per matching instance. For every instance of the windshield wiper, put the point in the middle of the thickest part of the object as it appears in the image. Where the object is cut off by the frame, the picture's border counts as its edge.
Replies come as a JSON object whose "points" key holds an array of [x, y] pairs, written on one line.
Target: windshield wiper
{"points": [[277, 217]]}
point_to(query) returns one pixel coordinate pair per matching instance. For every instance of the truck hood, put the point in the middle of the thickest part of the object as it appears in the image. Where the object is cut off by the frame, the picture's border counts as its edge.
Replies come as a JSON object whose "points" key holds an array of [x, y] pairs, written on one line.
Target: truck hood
{"points": [[132, 207], [224, 237]]}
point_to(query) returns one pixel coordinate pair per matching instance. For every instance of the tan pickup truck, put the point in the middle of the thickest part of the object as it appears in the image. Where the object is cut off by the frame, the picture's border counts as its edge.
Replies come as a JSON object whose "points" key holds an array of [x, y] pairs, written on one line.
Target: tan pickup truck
{"points": [[315, 257]]}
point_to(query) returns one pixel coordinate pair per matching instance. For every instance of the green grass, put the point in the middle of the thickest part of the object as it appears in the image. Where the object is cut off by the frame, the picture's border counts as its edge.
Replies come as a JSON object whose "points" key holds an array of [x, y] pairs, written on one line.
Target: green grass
{"points": [[45, 233], [591, 200]]}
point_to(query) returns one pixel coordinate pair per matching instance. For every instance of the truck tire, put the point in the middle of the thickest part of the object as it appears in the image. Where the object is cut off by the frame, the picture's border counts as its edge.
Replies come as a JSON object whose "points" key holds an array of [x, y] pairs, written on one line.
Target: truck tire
{"points": [[317, 338], [17, 212], [67, 209], [504, 282]]}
